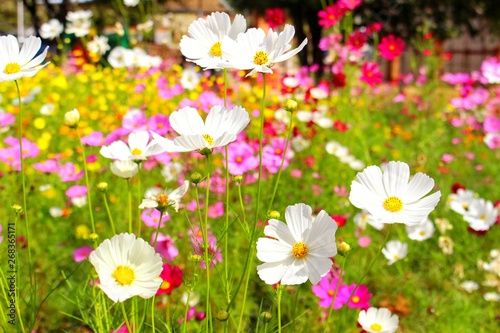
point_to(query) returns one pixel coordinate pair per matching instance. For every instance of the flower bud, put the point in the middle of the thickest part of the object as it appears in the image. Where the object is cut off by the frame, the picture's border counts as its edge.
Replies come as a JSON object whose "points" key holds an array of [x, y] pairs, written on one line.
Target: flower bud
{"points": [[290, 105], [94, 236], [17, 208], [196, 178], [238, 178], [222, 315], [343, 248], [274, 214], [267, 316], [71, 118], [102, 186]]}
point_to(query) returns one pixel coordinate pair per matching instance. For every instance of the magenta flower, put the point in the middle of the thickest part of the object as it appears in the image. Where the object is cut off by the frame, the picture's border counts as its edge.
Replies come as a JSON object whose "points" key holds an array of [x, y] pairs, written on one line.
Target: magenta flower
{"points": [[241, 158], [272, 154], [360, 299], [216, 210], [95, 139], [331, 15], [82, 253], [11, 157], [151, 217], [76, 191], [391, 47], [325, 290], [165, 246], [349, 4], [47, 166], [6, 119], [371, 74], [159, 124], [68, 172], [491, 124]]}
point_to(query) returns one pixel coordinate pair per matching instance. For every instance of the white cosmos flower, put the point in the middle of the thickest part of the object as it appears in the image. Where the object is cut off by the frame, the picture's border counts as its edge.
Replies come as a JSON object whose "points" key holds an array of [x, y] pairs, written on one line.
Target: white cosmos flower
{"points": [[203, 45], [120, 57], [131, 3], [422, 231], [460, 201], [299, 250], [79, 22], [166, 199], [124, 169], [127, 267], [137, 148], [378, 320], [492, 296], [469, 286], [391, 196], [481, 214], [16, 63], [395, 250], [221, 127], [255, 51], [190, 78], [52, 29], [364, 218], [98, 45]]}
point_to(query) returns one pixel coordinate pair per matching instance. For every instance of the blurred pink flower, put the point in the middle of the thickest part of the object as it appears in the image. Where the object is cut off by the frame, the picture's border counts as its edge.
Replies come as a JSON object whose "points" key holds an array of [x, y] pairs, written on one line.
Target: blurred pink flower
{"points": [[241, 158], [93, 139], [364, 241], [360, 299], [491, 124], [447, 158], [331, 15], [275, 17], [391, 46], [151, 217], [349, 4], [325, 290], [371, 74], [81, 253], [272, 155], [165, 246]]}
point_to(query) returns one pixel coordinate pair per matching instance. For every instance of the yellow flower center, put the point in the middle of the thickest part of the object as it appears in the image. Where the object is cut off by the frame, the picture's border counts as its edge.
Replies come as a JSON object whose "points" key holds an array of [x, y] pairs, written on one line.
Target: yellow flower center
{"points": [[330, 292], [208, 138], [136, 151], [12, 68], [396, 257], [165, 285], [260, 58], [215, 50], [162, 200], [124, 275], [393, 204], [355, 299], [376, 327], [299, 250], [483, 217], [239, 159], [422, 233]]}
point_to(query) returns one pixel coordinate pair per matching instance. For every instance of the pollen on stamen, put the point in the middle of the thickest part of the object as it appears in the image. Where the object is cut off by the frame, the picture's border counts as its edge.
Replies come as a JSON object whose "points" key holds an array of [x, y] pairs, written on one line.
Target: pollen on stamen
{"points": [[12, 68], [208, 138], [260, 57], [299, 250], [124, 275], [216, 50], [136, 151], [393, 204]]}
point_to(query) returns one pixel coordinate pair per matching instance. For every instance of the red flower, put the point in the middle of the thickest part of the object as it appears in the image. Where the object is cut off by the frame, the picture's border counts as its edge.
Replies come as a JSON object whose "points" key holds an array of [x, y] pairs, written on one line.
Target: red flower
{"points": [[340, 126], [275, 17], [391, 46], [340, 220], [456, 186], [172, 278], [371, 74], [338, 80], [374, 27], [356, 40], [331, 15]]}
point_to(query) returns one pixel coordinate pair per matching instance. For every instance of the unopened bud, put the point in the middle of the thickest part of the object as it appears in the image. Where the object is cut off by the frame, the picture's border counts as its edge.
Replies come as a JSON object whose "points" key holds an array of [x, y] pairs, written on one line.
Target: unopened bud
{"points": [[196, 178], [94, 236], [238, 178], [343, 248], [102, 186], [17, 208], [274, 214], [267, 316], [290, 105], [222, 315], [206, 151], [196, 257], [71, 118]]}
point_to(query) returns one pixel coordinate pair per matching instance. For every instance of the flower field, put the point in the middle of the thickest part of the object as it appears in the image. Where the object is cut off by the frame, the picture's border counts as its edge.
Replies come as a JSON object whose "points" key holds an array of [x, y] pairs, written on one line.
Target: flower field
{"points": [[235, 192]]}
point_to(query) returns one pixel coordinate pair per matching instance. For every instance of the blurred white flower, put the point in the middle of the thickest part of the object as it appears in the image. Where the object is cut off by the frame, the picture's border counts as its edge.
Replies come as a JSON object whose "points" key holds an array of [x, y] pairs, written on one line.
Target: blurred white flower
{"points": [[421, 232], [98, 45], [469, 286], [52, 29], [395, 250]]}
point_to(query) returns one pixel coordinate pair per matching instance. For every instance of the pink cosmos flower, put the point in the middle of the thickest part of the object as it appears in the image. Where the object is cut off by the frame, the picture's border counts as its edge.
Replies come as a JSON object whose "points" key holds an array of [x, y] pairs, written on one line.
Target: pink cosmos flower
{"points": [[490, 69], [159, 124], [68, 172], [241, 158], [371, 74], [447, 158], [492, 140], [30, 149], [151, 217], [391, 46], [331, 15], [165, 246], [11, 157], [197, 243], [356, 40], [491, 124], [216, 210], [349, 4], [272, 155], [360, 299], [134, 120], [364, 241], [47, 166], [325, 290], [94, 139], [6, 119], [81, 253], [76, 191], [172, 279]]}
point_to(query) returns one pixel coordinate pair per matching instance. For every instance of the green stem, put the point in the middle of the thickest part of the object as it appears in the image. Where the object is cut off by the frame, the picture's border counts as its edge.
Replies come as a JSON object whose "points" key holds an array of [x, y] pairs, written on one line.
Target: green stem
{"points": [[250, 253], [125, 317], [129, 185], [289, 135], [31, 273], [153, 314], [158, 229], [335, 295], [226, 232], [109, 214], [186, 313], [364, 275], [139, 197], [87, 182], [279, 292], [206, 249]]}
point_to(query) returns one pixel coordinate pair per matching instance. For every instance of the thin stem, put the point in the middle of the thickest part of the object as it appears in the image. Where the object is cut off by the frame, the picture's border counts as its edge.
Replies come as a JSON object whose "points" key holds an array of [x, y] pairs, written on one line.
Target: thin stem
{"points": [[289, 135], [153, 314], [365, 274], [337, 286], [111, 222], [87, 182], [129, 185], [33, 280], [279, 291], [186, 313], [206, 249], [125, 317], [158, 229], [250, 253], [139, 197], [226, 233]]}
